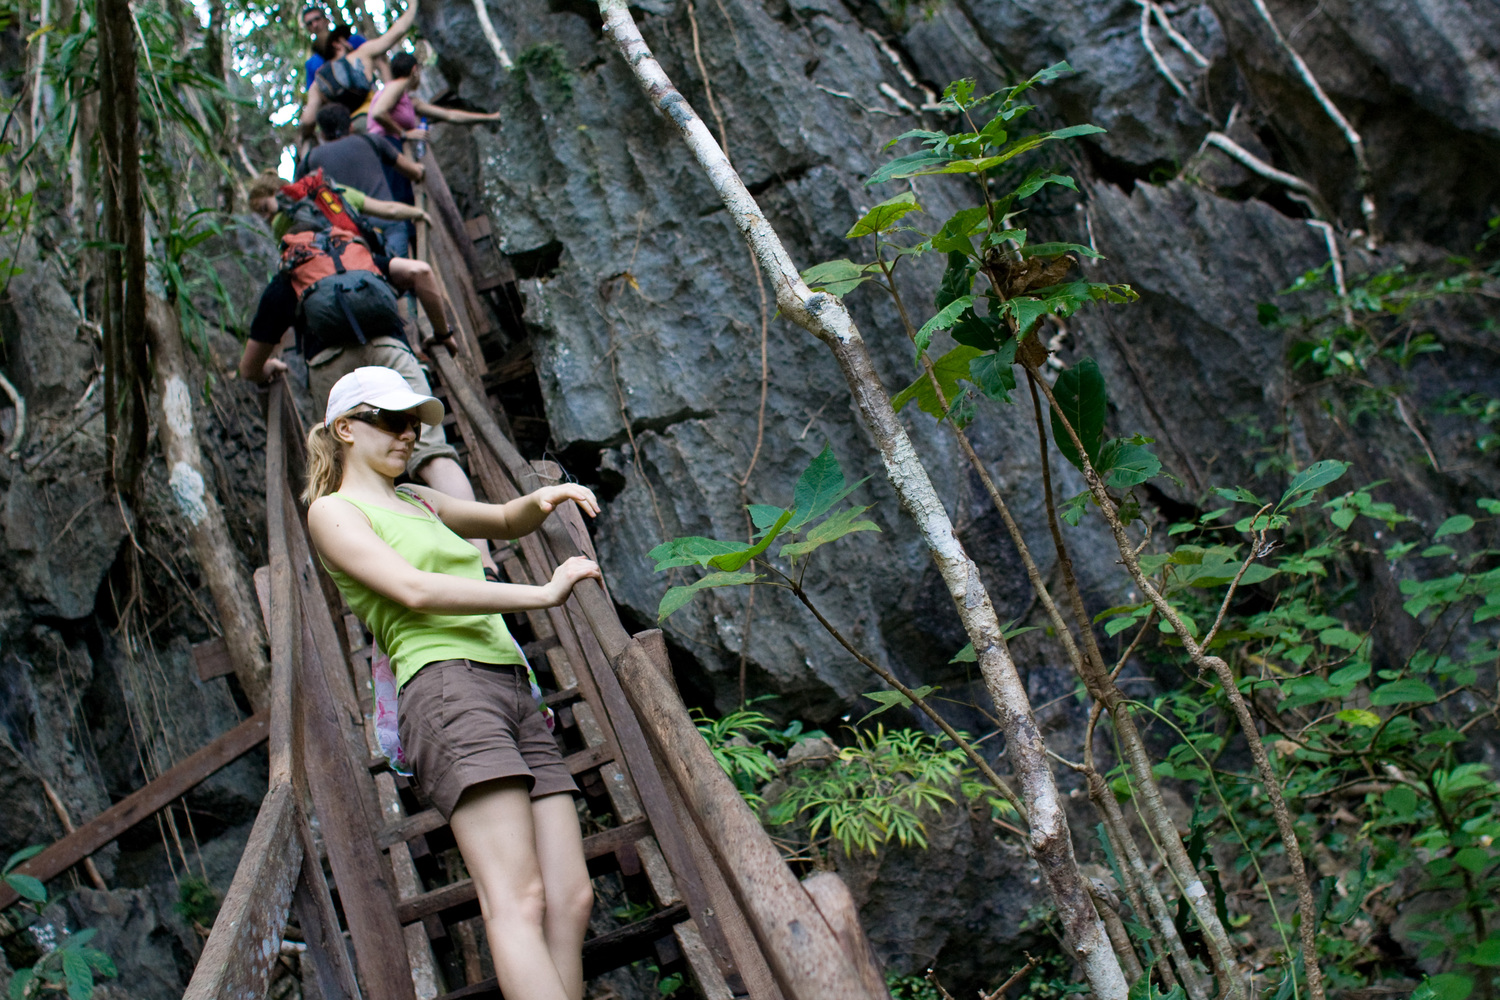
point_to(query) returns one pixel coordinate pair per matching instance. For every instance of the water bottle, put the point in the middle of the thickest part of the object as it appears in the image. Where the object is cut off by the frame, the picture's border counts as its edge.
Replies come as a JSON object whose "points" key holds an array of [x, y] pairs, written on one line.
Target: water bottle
{"points": [[422, 143]]}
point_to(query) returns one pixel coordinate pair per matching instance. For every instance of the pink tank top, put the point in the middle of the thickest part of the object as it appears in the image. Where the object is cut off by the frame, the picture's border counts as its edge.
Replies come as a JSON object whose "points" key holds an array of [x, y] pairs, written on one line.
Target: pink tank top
{"points": [[404, 114]]}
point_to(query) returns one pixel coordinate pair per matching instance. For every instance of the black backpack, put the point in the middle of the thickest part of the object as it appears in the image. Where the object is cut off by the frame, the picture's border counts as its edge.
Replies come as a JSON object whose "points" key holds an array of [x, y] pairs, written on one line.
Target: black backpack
{"points": [[343, 81]]}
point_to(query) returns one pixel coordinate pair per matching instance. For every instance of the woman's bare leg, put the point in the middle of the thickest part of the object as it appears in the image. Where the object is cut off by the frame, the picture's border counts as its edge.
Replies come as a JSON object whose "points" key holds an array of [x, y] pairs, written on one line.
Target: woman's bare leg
{"points": [[493, 824], [565, 878]]}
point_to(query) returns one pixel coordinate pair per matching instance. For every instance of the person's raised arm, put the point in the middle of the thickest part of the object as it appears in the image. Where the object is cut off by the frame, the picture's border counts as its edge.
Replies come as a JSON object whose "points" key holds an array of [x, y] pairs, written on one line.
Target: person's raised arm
{"points": [[385, 104], [258, 363], [452, 116], [307, 122], [345, 540], [398, 211], [380, 46], [472, 519]]}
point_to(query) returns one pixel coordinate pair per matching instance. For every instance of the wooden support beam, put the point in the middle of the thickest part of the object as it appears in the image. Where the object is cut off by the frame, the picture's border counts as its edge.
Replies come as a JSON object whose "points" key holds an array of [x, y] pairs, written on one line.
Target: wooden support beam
{"points": [[172, 784], [240, 953], [806, 957], [319, 922], [211, 657], [834, 900]]}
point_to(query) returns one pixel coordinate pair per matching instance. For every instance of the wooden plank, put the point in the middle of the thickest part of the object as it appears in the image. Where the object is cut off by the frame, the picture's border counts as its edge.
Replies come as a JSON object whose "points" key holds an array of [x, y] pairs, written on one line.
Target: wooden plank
{"points": [[212, 659], [836, 903], [600, 954], [807, 959], [596, 845], [319, 922], [275, 588], [478, 227], [700, 962], [241, 951], [139, 805]]}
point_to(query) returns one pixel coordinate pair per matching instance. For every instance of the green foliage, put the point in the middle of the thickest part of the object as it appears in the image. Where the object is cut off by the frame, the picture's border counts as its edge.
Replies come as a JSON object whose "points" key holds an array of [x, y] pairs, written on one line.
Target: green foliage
{"points": [[742, 743], [197, 902], [875, 791], [27, 887], [68, 968], [912, 987], [819, 489], [548, 62]]}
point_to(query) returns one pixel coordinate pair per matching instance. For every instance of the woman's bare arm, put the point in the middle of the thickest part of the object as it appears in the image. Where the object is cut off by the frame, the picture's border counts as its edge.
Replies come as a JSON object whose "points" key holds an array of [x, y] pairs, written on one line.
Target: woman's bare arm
{"points": [[396, 210], [345, 540], [471, 519], [372, 50], [453, 116]]}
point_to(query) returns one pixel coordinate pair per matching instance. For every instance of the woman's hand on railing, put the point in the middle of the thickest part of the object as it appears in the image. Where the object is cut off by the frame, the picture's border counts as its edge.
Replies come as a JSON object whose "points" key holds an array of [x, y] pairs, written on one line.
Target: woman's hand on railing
{"points": [[569, 574], [548, 497]]}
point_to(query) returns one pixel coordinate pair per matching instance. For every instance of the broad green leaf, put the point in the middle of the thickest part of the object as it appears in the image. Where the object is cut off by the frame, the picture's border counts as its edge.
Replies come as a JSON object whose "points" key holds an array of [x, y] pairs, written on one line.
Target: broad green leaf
{"points": [[1238, 493], [79, 976], [1039, 180], [763, 515], [82, 937], [983, 333], [20, 982], [945, 318], [24, 854], [1073, 131], [965, 655], [1488, 505], [908, 166], [678, 596], [1125, 464], [731, 561], [884, 216], [1455, 525], [957, 234], [1407, 691], [845, 522], [1340, 638], [27, 887], [1315, 476], [1083, 400], [1359, 717], [994, 373], [926, 135], [888, 700], [820, 486], [1486, 953], [692, 551], [1445, 986], [1027, 310], [837, 277], [949, 369]]}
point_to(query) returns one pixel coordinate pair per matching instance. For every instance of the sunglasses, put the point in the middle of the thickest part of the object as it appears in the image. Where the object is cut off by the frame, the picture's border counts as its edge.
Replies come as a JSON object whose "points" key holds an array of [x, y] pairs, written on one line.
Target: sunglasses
{"points": [[394, 422]]}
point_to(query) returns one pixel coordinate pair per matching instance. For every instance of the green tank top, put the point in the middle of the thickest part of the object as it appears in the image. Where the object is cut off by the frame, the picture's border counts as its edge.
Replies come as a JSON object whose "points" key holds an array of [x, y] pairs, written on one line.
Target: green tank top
{"points": [[413, 639]]}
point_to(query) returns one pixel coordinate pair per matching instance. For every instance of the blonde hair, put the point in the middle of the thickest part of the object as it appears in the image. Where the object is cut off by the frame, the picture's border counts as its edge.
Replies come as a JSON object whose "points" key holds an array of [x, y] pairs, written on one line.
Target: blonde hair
{"points": [[325, 464], [267, 184]]}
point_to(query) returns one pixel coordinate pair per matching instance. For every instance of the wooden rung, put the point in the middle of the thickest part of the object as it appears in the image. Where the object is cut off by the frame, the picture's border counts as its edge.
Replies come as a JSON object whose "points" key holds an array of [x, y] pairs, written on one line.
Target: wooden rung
{"points": [[212, 659], [600, 954], [478, 227], [447, 897]]}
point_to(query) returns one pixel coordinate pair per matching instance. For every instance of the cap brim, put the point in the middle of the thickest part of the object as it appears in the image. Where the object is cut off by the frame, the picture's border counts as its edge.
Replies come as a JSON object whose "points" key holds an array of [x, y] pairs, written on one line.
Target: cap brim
{"points": [[429, 409]]}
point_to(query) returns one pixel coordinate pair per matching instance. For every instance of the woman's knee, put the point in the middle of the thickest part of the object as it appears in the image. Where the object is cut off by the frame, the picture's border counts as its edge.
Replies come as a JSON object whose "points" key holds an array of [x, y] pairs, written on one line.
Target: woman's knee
{"points": [[575, 903], [524, 903]]}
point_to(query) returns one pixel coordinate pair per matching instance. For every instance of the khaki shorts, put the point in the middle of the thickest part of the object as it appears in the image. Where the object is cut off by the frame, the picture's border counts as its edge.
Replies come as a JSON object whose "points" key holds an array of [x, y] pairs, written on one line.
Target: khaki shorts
{"points": [[330, 365], [463, 723]]}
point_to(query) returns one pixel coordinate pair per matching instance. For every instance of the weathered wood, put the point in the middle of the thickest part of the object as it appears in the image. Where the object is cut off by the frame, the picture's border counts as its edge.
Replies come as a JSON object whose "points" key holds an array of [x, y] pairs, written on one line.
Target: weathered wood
{"points": [[211, 657], [172, 784], [454, 894], [710, 983], [274, 589], [834, 900], [319, 922], [600, 954], [242, 949], [807, 959]]}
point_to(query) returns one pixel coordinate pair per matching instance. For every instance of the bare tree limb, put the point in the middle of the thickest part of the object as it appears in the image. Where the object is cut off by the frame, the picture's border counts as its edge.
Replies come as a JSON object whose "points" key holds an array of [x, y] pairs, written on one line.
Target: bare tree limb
{"points": [[490, 35]]}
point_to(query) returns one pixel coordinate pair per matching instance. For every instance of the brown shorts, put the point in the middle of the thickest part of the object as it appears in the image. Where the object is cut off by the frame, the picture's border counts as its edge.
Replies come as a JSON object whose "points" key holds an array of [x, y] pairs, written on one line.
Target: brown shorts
{"points": [[462, 723]]}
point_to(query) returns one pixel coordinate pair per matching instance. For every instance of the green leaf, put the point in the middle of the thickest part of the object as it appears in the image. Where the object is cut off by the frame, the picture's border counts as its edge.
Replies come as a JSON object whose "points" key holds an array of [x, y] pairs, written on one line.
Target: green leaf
{"points": [[888, 700], [820, 486], [1027, 310], [965, 655], [945, 318], [27, 887], [692, 551], [1403, 692], [845, 522], [80, 977], [731, 561], [1486, 953], [884, 216], [837, 277], [1455, 525], [678, 596], [763, 515], [1315, 476], [908, 166], [24, 854], [19, 982], [957, 234], [1083, 400], [1340, 638], [1445, 986], [994, 374], [949, 369], [1126, 464], [1073, 131], [1037, 181], [1058, 249], [1358, 717]]}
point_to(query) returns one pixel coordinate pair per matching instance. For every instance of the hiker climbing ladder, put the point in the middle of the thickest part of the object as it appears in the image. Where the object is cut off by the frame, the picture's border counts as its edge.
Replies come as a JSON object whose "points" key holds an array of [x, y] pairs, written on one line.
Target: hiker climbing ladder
{"points": [[664, 816]]}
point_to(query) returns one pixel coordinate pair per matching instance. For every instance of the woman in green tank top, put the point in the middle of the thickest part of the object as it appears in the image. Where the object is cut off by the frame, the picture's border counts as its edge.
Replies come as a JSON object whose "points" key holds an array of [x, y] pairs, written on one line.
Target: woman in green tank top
{"points": [[475, 739]]}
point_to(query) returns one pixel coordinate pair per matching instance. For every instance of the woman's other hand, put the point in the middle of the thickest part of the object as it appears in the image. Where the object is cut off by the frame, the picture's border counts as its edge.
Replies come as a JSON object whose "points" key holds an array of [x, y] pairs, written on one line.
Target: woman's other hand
{"points": [[415, 135], [548, 497], [569, 573]]}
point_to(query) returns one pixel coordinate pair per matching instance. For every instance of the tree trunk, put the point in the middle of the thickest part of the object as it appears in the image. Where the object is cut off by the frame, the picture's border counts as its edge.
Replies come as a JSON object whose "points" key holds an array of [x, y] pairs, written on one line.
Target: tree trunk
{"points": [[239, 614], [825, 317]]}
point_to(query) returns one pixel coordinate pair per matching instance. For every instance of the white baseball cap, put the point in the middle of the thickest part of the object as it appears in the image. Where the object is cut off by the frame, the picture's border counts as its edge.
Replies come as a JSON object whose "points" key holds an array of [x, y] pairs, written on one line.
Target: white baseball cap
{"points": [[383, 388]]}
